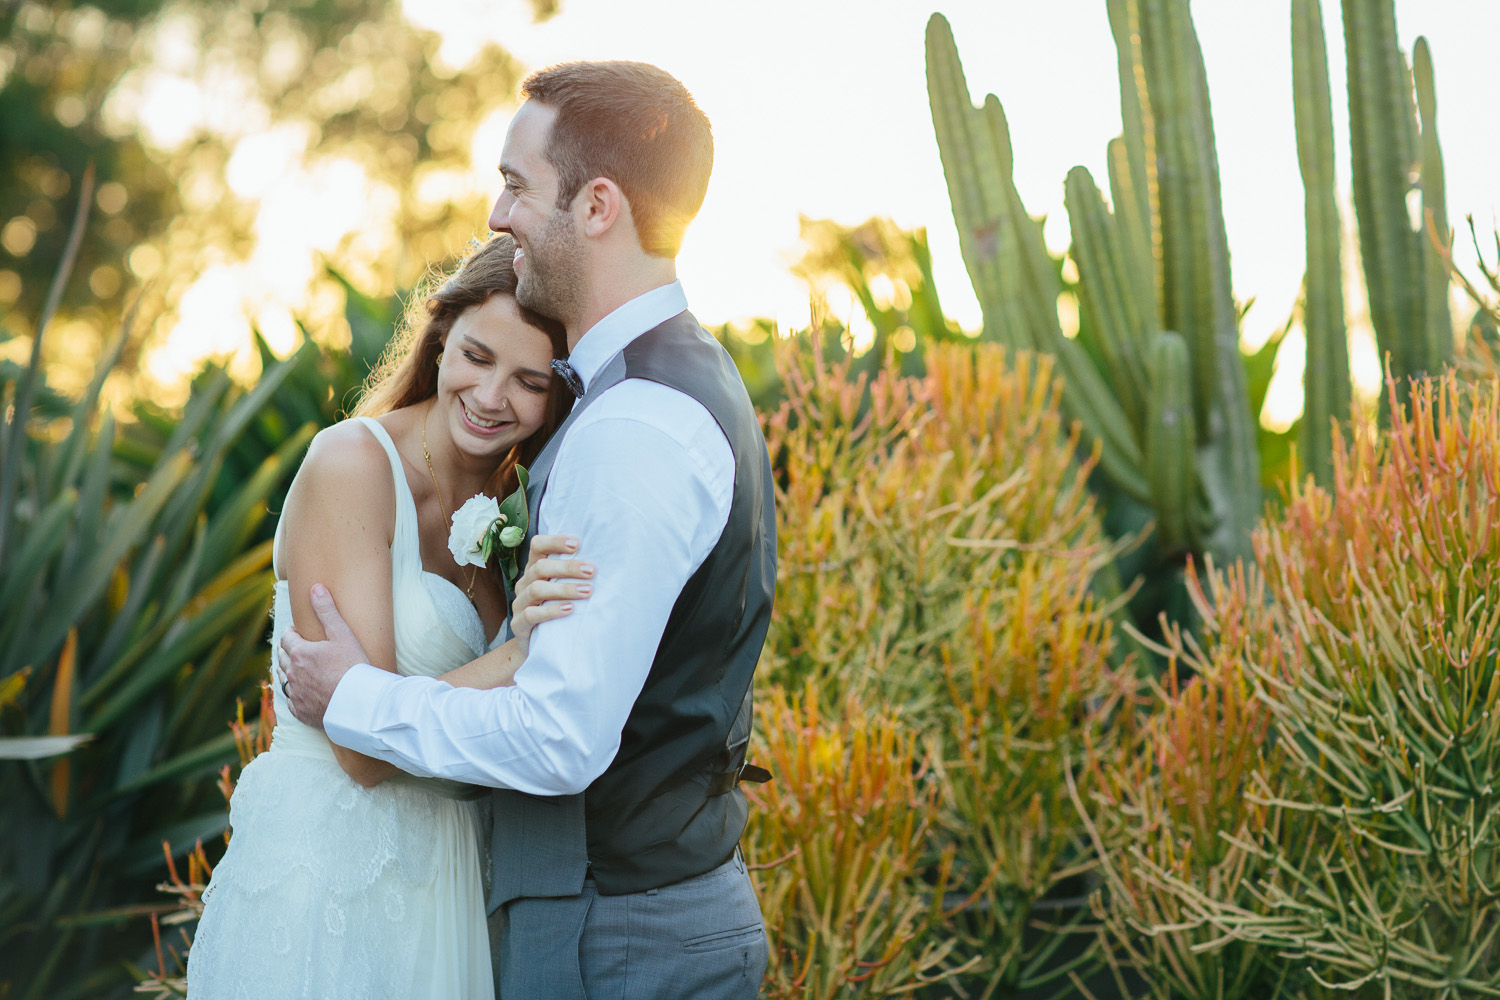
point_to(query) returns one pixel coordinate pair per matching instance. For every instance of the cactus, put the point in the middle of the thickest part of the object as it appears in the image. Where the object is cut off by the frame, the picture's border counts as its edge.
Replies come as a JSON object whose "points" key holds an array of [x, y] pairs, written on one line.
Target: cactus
{"points": [[1132, 160], [1197, 298], [1408, 298], [1120, 321], [1434, 210], [1326, 379], [1169, 441], [1008, 263], [1160, 261]]}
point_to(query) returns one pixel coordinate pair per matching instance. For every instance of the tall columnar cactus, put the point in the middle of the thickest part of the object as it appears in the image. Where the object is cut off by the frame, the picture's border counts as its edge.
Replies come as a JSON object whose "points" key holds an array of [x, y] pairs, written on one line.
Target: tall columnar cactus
{"points": [[1325, 381], [1132, 160], [1434, 209], [1159, 262], [1197, 298], [1007, 261], [1408, 298]]}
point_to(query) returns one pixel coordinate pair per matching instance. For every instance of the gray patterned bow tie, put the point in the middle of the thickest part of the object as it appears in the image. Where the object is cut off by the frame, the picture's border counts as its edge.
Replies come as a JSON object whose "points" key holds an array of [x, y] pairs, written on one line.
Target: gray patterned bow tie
{"points": [[569, 376]]}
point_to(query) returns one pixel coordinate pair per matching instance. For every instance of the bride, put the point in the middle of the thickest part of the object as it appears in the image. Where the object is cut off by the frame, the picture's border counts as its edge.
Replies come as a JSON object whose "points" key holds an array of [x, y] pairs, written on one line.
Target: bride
{"points": [[346, 877]]}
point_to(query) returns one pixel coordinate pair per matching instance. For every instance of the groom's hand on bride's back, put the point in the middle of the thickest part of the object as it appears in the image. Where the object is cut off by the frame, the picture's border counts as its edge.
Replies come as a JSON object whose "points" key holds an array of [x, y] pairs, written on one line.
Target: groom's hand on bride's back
{"points": [[314, 669]]}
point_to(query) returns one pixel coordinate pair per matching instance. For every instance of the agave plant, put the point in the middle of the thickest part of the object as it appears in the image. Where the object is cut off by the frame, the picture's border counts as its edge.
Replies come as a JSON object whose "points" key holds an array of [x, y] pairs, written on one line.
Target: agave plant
{"points": [[135, 566]]}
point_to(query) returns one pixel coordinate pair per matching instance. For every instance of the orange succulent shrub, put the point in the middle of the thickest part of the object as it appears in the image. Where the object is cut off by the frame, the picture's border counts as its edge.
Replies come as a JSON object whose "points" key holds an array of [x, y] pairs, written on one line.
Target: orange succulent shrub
{"points": [[1390, 591], [1178, 815], [1366, 851], [939, 550], [846, 908]]}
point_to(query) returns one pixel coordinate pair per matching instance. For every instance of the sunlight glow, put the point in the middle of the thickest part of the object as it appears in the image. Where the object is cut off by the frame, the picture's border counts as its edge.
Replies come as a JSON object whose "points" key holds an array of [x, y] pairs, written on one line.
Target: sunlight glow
{"points": [[1284, 395], [843, 135], [259, 161], [211, 324], [171, 109], [486, 145], [467, 26]]}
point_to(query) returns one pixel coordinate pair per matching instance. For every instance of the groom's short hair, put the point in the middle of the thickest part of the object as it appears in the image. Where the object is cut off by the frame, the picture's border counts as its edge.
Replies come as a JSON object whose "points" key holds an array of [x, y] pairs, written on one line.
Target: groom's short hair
{"points": [[636, 125]]}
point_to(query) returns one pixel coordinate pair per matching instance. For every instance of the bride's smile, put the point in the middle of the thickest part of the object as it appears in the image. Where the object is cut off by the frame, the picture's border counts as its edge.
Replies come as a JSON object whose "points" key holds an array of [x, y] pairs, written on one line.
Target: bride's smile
{"points": [[493, 377]]}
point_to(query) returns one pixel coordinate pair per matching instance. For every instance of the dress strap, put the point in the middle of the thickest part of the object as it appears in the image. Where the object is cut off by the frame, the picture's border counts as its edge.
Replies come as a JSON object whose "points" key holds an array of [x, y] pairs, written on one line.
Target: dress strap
{"points": [[276, 549], [406, 540]]}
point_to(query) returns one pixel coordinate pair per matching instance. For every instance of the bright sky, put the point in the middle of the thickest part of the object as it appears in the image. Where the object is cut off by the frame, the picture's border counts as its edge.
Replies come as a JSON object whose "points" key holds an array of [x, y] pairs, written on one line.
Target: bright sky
{"points": [[820, 108]]}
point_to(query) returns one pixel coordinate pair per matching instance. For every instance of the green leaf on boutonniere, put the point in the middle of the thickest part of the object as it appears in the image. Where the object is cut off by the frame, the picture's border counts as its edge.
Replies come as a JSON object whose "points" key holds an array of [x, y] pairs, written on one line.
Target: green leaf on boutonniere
{"points": [[513, 507], [513, 515]]}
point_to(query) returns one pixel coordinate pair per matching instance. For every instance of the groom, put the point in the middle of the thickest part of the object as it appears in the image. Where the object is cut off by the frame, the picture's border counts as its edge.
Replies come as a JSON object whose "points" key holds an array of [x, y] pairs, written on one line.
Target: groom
{"points": [[617, 754]]}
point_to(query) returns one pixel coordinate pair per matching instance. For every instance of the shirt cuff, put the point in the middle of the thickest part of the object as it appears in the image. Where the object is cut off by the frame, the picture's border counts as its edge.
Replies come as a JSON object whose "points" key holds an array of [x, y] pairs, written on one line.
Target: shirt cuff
{"points": [[350, 718]]}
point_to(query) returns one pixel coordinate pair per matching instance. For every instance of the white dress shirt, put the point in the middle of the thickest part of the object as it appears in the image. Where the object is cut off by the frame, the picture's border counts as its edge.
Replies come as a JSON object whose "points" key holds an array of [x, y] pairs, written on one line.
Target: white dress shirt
{"points": [[644, 480]]}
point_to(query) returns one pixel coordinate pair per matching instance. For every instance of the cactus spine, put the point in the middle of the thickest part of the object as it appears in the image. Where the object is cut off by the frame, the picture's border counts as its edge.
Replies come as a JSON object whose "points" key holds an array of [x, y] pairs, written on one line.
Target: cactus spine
{"points": [[1326, 378]]}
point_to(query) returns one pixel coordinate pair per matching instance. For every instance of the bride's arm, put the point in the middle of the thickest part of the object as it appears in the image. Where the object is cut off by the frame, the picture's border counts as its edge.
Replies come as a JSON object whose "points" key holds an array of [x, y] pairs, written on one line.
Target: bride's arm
{"points": [[337, 526], [544, 592]]}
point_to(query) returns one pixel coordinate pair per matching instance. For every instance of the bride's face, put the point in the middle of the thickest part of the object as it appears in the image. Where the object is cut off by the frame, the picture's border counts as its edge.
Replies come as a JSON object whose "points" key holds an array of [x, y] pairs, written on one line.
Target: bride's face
{"points": [[493, 378]]}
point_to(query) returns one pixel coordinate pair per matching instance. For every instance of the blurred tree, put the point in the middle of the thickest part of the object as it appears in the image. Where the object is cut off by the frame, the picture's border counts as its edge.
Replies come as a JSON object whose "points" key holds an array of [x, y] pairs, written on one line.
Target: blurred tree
{"points": [[887, 269], [240, 146]]}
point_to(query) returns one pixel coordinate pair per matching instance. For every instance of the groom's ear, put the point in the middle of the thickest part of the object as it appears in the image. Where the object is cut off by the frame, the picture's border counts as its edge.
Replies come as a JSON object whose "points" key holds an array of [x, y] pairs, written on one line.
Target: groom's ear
{"points": [[602, 206]]}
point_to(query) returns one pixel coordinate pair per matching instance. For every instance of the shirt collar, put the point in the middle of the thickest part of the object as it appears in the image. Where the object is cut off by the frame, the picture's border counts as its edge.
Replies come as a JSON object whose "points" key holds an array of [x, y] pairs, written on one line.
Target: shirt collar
{"points": [[609, 336]]}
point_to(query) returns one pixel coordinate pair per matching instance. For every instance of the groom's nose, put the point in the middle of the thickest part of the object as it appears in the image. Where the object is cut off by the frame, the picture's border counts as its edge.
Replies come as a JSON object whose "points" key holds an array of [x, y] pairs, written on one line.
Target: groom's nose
{"points": [[500, 214]]}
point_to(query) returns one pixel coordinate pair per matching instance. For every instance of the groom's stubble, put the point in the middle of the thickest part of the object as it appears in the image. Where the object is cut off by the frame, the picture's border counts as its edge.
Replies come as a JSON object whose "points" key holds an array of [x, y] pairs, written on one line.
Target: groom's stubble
{"points": [[553, 279]]}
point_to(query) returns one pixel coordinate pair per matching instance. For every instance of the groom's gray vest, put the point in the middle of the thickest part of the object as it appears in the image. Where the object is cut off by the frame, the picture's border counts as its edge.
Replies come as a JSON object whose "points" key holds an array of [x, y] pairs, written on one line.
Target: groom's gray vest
{"points": [[668, 806]]}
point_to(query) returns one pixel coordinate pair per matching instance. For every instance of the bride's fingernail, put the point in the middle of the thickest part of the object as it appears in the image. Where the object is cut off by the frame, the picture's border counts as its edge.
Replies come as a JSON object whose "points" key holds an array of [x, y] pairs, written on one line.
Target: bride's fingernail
{"points": [[584, 590], [587, 569], [571, 545]]}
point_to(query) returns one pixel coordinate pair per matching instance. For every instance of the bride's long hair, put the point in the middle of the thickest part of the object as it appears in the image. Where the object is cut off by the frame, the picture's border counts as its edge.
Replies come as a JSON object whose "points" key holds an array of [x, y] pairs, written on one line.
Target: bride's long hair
{"points": [[407, 372]]}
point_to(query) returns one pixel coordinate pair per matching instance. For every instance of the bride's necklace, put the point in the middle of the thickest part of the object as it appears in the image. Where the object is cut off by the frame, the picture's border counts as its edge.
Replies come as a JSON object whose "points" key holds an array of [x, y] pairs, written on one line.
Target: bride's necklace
{"points": [[447, 522]]}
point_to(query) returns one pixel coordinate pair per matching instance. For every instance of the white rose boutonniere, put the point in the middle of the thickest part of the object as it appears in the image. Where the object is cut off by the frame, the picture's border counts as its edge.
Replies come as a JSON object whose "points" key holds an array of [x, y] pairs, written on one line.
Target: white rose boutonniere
{"points": [[471, 523], [484, 526]]}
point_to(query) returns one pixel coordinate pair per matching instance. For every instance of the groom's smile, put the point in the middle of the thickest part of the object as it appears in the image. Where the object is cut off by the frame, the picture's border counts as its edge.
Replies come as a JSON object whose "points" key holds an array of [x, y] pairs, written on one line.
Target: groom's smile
{"points": [[548, 273]]}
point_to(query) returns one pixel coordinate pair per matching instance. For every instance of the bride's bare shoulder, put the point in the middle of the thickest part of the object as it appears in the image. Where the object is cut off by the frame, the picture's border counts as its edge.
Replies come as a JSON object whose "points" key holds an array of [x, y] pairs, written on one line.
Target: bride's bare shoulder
{"points": [[347, 460]]}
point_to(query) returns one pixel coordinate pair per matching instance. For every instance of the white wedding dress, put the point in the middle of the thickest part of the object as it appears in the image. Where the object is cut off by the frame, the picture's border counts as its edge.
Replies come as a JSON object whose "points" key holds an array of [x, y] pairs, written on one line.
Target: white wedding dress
{"points": [[330, 890]]}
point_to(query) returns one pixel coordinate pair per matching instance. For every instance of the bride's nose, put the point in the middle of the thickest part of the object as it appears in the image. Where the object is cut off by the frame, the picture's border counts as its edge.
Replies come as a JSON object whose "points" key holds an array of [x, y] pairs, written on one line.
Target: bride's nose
{"points": [[492, 394]]}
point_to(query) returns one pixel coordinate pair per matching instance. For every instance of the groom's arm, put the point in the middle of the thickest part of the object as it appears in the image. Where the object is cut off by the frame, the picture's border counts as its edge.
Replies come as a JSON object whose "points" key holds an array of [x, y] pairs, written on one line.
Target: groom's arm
{"points": [[644, 481]]}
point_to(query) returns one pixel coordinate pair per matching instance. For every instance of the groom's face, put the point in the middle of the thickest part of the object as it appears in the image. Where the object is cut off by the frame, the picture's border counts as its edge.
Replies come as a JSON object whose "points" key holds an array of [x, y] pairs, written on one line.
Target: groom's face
{"points": [[550, 252]]}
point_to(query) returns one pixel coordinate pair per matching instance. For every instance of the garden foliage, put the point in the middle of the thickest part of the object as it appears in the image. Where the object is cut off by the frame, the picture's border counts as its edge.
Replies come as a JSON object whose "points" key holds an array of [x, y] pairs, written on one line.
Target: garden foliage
{"points": [[135, 567], [1316, 811], [938, 547], [1155, 375]]}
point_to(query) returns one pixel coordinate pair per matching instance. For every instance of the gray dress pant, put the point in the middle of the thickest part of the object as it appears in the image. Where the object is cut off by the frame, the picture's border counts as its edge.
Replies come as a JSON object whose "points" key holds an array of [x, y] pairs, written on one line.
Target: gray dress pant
{"points": [[699, 938]]}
